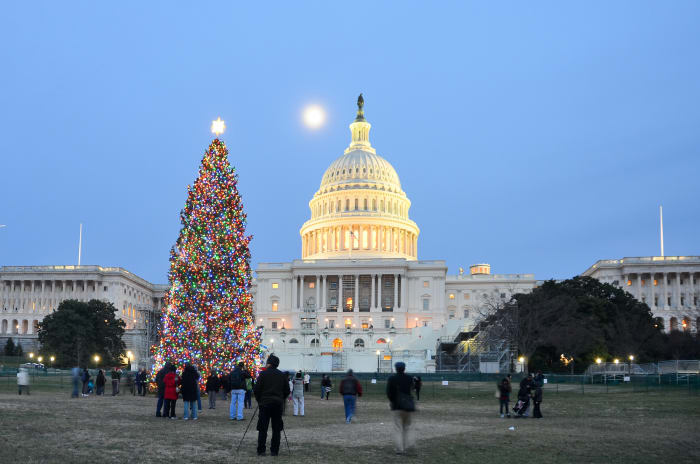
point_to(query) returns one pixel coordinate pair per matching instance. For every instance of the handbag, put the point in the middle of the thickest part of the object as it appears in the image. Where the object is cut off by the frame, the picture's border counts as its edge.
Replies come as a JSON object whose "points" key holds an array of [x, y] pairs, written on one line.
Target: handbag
{"points": [[497, 394]]}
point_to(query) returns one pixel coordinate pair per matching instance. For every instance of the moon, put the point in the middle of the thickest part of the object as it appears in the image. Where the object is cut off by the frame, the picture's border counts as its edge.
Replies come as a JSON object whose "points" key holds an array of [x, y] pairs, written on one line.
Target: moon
{"points": [[314, 116]]}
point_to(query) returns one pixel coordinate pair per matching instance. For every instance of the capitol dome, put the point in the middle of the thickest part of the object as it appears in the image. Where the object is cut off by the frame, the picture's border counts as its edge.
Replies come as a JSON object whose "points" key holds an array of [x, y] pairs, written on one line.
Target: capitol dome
{"points": [[360, 210]]}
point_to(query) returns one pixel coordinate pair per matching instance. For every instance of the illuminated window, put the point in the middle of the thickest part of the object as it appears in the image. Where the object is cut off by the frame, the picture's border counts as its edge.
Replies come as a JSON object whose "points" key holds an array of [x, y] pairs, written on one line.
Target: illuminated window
{"points": [[275, 285], [629, 282], [365, 325], [656, 282], [348, 303], [452, 296], [643, 282], [337, 344], [275, 305], [348, 323], [426, 284], [466, 296], [312, 284], [331, 324], [381, 341]]}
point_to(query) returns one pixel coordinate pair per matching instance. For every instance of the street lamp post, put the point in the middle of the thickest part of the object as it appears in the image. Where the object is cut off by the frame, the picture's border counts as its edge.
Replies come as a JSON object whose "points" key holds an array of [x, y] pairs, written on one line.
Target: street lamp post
{"points": [[521, 360], [631, 358], [52, 359], [378, 361]]}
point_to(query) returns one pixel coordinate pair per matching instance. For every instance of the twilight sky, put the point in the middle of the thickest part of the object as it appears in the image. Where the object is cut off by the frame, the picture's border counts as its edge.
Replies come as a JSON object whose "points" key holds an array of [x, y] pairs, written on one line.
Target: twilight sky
{"points": [[535, 136]]}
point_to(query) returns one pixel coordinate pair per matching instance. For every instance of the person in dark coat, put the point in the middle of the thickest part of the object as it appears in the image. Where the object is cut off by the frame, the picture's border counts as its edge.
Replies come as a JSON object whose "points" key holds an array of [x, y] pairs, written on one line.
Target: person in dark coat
{"points": [[537, 400], [171, 382], [100, 383], [212, 388], [225, 382], [504, 389], [326, 386], [116, 375], [85, 377], [160, 384], [398, 390], [524, 396], [350, 388], [270, 390], [189, 387], [417, 385]]}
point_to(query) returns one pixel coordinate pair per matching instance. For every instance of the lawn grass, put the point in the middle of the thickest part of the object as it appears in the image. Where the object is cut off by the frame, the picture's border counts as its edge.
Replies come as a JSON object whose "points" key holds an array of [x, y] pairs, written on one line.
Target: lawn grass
{"points": [[654, 427]]}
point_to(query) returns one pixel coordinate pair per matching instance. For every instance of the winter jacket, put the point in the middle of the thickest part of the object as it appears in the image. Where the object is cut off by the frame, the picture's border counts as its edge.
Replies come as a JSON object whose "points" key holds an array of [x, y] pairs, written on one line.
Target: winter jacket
{"points": [[237, 378], [100, 382], [271, 387], [212, 383], [171, 381], [396, 385], [189, 383], [159, 380], [23, 377], [537, 396], [505, 388], [350, 386]]}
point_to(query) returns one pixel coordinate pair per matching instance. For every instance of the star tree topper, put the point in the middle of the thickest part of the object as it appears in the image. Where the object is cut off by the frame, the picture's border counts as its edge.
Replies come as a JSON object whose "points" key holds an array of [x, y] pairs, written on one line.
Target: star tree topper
{"points": [[218, 127]]}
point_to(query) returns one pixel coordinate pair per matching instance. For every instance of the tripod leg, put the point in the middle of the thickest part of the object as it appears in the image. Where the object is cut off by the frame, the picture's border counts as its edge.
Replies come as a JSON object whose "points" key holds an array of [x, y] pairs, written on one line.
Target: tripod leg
{"points": [[246, 430], [286, 441]]}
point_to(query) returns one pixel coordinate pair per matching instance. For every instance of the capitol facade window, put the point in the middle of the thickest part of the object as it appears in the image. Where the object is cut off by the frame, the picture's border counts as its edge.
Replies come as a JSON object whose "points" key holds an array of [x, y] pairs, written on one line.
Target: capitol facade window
{"points": [[275, 306], [426, 304]]}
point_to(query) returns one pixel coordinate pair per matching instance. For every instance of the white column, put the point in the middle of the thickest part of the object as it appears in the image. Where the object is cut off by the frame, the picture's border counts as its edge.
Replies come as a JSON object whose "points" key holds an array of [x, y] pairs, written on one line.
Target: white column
{"points": [[692, 289], [372, 300], [294, 293], [665, 276], [650, 302], [396, 291], [639, 287], [404, 292], [678, 290], [355, 304], [318, 291], [379, 292]]}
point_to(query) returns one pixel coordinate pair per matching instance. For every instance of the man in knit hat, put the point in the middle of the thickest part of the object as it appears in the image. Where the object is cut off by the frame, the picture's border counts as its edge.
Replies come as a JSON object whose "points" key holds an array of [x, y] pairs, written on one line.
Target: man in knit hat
{"points": [[270, 390]]}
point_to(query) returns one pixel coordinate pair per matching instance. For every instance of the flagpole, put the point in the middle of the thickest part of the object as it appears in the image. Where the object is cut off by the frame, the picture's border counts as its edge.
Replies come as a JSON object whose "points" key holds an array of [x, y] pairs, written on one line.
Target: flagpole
{"points": [[661, 220]]}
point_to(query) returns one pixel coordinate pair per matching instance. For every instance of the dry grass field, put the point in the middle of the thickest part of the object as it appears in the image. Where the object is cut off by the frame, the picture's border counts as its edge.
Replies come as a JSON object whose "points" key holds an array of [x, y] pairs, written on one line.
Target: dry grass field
{"points": [[654, 427]]}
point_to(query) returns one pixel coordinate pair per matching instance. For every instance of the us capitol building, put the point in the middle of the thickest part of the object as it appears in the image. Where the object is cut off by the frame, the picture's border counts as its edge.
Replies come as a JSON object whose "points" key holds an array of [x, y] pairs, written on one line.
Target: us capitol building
{"points": [[359, 297]]}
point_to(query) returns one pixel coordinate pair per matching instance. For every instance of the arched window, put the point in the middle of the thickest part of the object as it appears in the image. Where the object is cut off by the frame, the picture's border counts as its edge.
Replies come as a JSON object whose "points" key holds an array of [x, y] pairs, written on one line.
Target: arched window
{"points": [[381, 341], [673, 323], [338, 209], [357, 202], [685, 324], [337, 344], [359, 343], [347, 204], [314, 342], [4, 326], [374, 204], [365, 208], [389, 208], [293, 340], [324, 208]]}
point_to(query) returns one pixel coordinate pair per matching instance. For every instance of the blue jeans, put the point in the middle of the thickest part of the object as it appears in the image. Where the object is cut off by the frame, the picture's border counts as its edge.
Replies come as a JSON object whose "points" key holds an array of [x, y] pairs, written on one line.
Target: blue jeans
{"points": [[191, 407], [236, 409], [349, 402], [159, 405]]}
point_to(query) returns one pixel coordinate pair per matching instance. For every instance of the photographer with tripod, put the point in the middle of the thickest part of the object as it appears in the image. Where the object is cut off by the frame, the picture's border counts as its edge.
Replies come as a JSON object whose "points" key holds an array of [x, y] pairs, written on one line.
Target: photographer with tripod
{"points": [[270, 390]]}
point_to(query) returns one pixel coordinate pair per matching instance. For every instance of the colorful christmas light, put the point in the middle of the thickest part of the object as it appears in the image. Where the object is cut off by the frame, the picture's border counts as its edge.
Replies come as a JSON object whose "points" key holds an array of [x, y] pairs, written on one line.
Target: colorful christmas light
{"points": [[208, 315]]}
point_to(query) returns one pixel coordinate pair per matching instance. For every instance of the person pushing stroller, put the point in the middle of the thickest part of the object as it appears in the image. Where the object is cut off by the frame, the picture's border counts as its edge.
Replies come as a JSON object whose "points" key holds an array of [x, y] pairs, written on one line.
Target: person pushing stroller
{"points": [[523, 403]]}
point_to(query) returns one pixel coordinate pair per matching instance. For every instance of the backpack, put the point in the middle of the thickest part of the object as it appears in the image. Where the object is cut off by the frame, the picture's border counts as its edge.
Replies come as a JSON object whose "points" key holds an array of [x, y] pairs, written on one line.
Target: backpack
{"points": [[249, 384]]}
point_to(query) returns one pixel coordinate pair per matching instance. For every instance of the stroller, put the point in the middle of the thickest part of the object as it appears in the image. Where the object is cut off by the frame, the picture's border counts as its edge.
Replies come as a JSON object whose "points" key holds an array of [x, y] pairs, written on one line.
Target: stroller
{"points": [[90, 387], [522, 405]]}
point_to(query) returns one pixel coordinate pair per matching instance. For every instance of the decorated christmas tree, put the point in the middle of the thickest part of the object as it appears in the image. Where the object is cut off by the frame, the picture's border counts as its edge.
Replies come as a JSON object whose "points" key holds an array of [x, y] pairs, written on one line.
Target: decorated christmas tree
{"points": [[208, 315]]}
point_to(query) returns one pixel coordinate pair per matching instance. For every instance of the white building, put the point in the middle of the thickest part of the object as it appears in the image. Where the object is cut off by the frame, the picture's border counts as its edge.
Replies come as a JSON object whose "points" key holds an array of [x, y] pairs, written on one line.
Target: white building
{"points": [[359, 298], [667, 284], [29, 293]]}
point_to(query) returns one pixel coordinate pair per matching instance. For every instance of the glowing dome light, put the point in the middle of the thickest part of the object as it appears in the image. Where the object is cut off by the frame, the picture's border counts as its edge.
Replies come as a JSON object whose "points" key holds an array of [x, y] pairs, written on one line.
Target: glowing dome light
{"points": [[218, 127], [314, 116]]}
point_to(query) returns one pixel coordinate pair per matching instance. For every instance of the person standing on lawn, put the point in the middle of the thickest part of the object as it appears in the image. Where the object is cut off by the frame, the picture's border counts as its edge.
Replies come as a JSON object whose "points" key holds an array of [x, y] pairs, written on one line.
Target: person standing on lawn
{"points": [[298, 394], [271, 389], [417, 385], [171, 381], [190, 385], [326, 386], [160, 385], [398, 390], [212, 388], [238, 376], [307, 381], [350, 388], [504, 389], [248, 402], [23, 380], [100, 382], [116, 375], [75, 373], [85, 378]]}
